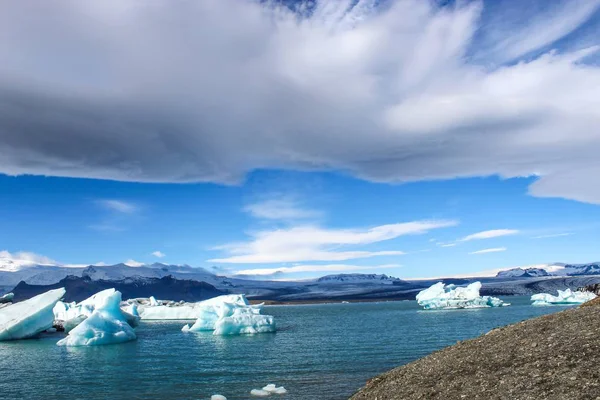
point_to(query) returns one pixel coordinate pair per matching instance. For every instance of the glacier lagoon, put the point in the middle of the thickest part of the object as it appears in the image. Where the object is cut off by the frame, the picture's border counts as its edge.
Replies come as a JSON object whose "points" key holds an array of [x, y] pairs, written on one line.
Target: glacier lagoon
{"points": [[319, 351]]}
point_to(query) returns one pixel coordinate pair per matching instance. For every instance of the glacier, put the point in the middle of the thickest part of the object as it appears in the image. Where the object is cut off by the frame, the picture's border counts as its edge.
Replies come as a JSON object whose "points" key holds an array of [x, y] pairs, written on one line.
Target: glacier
{"points": [[107, 324], [564, 297], [30, 317], [440, 296], [230, 315]]}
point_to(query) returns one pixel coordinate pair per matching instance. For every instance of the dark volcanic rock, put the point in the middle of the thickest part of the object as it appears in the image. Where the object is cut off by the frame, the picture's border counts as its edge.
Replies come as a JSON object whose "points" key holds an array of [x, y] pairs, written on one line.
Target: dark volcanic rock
{"points": [[552, 357], [79, 289]]}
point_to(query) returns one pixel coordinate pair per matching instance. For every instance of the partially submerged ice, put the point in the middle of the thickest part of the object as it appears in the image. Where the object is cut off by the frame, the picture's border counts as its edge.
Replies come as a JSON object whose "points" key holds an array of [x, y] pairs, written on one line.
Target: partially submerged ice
{"points": [[564, 297], [107, 324], [70, 315], [7, 298], [230, 315], [30, 317], [440, 296], [268, 390]]}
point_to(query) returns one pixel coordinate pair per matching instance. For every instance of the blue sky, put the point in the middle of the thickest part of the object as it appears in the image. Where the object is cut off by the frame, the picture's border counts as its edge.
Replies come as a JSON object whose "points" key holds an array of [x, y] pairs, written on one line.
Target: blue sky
{"points": [[408, 137], [78, 221]]}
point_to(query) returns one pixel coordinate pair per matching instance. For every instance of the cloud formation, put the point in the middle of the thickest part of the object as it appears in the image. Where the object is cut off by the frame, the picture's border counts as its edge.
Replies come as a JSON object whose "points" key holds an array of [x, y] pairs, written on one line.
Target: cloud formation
{"points": [[211, 90], [492, 250], [311, 243], [494, 233], [313, 268], [285, 209], [119, 206], [158, 254]]}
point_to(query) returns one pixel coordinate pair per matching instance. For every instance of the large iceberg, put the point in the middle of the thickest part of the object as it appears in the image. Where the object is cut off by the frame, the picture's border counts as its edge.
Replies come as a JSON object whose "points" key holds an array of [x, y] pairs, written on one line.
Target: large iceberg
{"points": [[440, 296], [565, 297], [69, 315], [107, 324], [30, 317], [152, 309], [231, 315]]}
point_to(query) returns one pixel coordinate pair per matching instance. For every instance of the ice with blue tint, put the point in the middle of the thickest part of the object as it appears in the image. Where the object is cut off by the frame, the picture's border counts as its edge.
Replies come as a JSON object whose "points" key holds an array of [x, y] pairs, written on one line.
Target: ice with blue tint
{"points": [[231, 315], [30, 317], [564, 297], [106, 325], [7, 298], [440, 296], [72, 314]]}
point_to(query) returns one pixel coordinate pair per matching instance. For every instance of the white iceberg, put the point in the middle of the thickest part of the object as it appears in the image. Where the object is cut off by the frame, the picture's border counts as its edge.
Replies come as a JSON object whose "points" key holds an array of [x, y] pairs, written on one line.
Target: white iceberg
{"points": [[259, 393], [106, 325], [440, 296], [231, 315], [69, 315], [271, 388], [152, 309], [30, 317], [7, 298], [218, 397], [564, 297]]}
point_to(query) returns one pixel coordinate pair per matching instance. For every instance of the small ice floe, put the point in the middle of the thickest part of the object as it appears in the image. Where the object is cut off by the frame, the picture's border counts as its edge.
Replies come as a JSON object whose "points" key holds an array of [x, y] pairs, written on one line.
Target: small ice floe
{"points": [[440, 296], [564, 297], [218, 397], [259, 393], [7, 298], [268, 390], [30, 317], [185, 328]]}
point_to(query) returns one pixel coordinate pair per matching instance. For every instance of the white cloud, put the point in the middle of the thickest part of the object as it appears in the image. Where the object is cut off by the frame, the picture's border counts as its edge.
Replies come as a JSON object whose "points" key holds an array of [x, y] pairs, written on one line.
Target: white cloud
{"points": [[492, 250], [119, 206], [554, 235], [158, 254], [489, 234], [232, 86], [133, 263], [280, 209], [314, 268], [310, 243], [23, 258], [446, 244]]}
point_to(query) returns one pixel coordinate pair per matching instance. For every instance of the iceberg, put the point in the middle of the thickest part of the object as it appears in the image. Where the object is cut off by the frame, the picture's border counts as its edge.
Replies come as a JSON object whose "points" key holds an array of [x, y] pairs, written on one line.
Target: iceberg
{"points": [[152, 309], [30, 317], [7, 298], [271, 388], [564, 297], [440, 296], [231, 315], [218, 397], [106, 325], [69, 315]]}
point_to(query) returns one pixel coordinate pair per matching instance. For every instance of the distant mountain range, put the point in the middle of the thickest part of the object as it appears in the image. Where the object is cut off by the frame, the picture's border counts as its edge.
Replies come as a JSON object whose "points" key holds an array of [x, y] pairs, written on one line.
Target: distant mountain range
{"points": [[183, 282]]}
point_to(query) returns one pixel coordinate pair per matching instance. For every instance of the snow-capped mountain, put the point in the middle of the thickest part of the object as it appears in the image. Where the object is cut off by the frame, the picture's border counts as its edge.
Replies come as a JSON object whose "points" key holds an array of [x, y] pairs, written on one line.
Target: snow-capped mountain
{"points": [[523, 273], [355, 278], [556, 269]]}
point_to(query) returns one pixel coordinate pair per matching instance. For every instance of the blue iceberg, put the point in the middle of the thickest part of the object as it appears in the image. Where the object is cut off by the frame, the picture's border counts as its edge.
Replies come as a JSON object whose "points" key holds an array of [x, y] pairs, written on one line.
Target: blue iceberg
{"points": [[564, 297], [442, 297]]}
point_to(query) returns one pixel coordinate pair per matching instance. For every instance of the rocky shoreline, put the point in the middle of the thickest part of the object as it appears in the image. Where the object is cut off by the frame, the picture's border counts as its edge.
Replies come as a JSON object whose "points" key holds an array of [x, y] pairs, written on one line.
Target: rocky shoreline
{"points": [[551, 357]]}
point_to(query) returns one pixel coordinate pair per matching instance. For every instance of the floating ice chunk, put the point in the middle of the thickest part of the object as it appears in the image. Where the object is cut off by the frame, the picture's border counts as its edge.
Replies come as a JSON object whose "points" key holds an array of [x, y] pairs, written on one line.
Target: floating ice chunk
{"points": [[218, 397], [30, 317], [564, 297], [440, 296], [185, 328], [259, 393], [271, 388], [7, 298], [171, 310], [168, 313], [72, 314], [106, 325], [153, 302], [231, 318]]}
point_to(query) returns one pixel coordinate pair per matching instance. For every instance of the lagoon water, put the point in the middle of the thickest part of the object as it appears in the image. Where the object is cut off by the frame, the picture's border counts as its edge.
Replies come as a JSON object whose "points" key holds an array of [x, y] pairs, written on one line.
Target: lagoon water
{"points": [[320, 352]]}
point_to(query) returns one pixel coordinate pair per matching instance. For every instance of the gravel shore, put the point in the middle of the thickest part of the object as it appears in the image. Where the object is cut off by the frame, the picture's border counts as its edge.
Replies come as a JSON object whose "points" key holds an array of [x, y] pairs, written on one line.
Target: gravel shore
{"points": [[556, 356]]}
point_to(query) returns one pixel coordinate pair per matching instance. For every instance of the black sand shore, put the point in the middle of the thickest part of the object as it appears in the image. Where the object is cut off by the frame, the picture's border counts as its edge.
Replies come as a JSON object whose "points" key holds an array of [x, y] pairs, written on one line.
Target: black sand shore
{"points": [[556, 356]]}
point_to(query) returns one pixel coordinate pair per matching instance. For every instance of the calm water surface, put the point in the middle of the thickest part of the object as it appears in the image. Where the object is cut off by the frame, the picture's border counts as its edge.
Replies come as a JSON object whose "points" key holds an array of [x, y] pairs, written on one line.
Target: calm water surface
{"points": [[320, 352]]}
